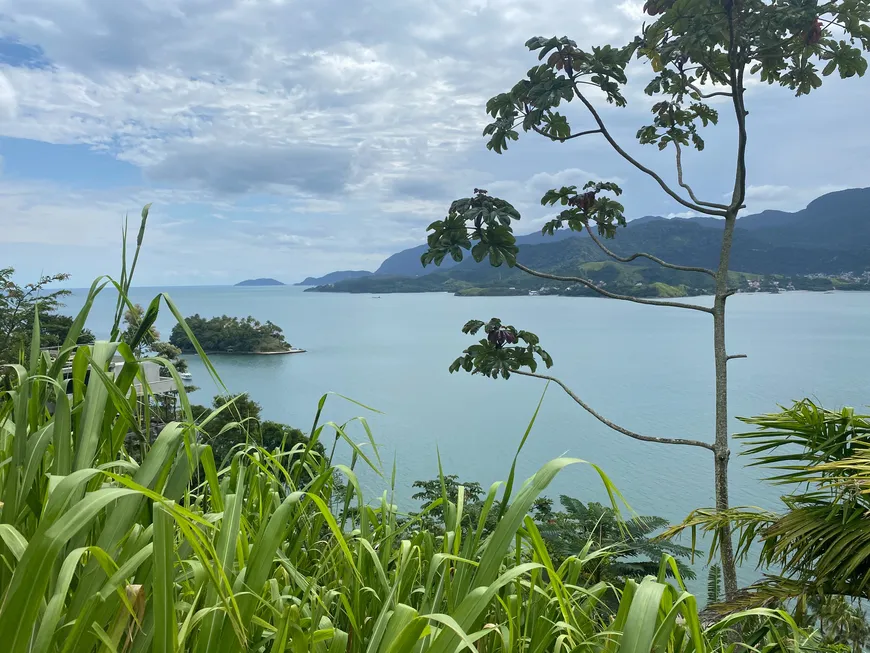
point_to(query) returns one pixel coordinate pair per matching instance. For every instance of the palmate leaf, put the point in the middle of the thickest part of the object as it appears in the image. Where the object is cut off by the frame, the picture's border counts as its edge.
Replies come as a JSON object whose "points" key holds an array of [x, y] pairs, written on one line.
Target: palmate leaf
{"points": [[586, 208], [481, 219], [504, 350]]}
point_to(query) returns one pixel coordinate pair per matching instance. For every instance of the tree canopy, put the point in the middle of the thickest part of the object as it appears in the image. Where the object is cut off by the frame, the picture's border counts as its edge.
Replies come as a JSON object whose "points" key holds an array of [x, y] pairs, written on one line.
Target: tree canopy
{"points": [[226, 334], [241, 422], [616, 548], [631, 551], [18, 307]]}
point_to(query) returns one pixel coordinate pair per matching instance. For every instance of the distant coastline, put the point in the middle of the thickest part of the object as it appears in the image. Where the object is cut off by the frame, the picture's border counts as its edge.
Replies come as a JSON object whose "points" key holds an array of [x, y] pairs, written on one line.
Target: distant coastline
{"points": [[333, 277], [824, 247], [253, 353], [636, 285]]}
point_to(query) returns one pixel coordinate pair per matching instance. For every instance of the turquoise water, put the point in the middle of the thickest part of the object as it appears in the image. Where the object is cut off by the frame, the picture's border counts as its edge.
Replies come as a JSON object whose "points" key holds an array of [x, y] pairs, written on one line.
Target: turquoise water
{"points": [[649, 368]]}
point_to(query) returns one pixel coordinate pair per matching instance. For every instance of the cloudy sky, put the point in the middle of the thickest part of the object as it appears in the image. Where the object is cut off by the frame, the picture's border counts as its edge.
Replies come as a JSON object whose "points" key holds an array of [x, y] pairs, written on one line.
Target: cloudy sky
{"points": [[286, 138]]}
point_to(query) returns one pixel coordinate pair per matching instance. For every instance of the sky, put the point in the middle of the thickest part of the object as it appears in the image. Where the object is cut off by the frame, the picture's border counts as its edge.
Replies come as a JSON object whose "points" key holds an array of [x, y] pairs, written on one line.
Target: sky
{"points": [[288, 138]]}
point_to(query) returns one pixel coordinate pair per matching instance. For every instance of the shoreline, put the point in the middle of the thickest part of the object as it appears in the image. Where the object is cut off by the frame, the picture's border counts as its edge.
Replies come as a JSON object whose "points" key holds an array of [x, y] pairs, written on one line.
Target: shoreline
{"points": [[592, 294], [247, 353]]}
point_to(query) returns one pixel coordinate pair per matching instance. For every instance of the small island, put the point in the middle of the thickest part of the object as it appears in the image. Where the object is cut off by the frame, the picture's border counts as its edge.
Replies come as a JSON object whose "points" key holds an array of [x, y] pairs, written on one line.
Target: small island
{"points": [[333, 277], [232, 335], [260, 282]]}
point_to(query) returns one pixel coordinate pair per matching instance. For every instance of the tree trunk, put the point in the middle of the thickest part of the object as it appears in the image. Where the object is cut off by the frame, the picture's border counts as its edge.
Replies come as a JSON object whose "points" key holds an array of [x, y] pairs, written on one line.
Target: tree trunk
{"points": [[721, 456], [721, 449]]}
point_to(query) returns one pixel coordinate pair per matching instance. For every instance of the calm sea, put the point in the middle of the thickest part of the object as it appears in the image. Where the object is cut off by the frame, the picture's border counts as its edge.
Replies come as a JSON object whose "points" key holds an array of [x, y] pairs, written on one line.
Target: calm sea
{"points": [[649, 368]]}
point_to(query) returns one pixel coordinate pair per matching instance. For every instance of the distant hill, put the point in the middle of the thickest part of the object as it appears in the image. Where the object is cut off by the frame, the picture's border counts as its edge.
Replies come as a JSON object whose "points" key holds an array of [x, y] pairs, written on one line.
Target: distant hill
{"points": [[334, 277], [260, 282], [407, 262], [846, 214], [703, 221], [838, 220], [830, 237]]}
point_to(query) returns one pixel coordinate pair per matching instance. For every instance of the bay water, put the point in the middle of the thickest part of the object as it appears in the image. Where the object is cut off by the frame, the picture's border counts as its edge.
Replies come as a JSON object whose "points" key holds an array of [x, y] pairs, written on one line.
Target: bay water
{"points": [[648, 368]]}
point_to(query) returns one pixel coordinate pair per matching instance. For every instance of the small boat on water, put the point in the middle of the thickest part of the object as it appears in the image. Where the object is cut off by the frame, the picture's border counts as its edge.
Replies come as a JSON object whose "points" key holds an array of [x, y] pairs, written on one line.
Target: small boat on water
{"points": [[185, 375]]}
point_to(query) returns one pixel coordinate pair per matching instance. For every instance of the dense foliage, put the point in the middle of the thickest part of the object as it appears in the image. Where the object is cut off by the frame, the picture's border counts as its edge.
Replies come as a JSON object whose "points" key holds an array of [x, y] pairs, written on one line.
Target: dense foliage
{"points": [[626, 547], [820, 541], [243, 425], [230, 335], [630, 549], [19, 306], [816, 548]]}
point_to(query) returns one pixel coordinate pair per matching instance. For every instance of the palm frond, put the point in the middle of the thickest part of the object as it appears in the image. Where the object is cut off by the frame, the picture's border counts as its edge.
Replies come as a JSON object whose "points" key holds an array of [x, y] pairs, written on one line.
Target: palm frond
{"points": [[801, 440]]}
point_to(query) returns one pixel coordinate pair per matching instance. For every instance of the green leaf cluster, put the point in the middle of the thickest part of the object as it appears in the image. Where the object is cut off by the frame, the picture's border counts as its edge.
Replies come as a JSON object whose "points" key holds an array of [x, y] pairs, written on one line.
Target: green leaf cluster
{"points": [[504, 350], [675, 123], [533, 101], [480, 219], [696, 49], [585, 207]]}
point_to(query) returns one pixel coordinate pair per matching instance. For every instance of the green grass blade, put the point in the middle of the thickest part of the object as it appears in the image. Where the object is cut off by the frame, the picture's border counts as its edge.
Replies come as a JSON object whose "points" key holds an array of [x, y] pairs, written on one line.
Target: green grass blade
{"points": [[94, 407], [640, 626], [165, 625], [509, 484], [14, 541], [31, 576]]}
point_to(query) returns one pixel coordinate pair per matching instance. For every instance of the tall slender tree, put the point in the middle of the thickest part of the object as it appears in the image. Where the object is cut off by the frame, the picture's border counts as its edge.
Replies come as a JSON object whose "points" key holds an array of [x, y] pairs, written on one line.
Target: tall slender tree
{"points": [[698, 51]]}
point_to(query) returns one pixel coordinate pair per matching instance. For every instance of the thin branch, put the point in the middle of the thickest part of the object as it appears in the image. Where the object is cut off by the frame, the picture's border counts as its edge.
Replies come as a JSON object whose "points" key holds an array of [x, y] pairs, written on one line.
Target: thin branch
{"points": [[707, 96], [608, 423], [735, 356], [606, 293], [739, 194], [682, 183], [567, 138], [654, 259], [637, 164]]}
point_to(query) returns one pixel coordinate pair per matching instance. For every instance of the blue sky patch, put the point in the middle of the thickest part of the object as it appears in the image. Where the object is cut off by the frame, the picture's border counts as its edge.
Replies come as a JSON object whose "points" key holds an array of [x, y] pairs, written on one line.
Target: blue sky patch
{"points": [[15, 53]]}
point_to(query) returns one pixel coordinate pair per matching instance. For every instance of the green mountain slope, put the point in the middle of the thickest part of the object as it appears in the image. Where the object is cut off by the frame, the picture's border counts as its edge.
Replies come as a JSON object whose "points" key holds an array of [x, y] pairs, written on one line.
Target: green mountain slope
{"points": [[407, 262], [332, 277], [830, 237], [838, 221]]}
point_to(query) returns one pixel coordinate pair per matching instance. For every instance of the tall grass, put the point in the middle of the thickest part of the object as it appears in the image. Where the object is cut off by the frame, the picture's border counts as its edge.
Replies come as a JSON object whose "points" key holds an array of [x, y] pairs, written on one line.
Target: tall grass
{"points": [[99, 552]]}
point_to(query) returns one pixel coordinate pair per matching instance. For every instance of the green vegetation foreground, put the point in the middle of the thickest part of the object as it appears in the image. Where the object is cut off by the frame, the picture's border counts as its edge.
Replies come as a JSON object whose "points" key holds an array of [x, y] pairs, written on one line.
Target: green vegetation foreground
{"points": [[272, 552]]}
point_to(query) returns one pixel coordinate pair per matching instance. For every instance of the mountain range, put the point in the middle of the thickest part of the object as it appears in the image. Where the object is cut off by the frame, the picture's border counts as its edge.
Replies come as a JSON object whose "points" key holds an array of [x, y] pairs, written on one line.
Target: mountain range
{"points": [[830, 236]]}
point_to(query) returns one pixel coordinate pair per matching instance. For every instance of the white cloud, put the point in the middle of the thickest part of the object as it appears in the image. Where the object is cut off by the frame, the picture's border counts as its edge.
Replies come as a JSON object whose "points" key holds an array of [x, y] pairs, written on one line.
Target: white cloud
{"points": [[767, 191], [785, 198]]}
